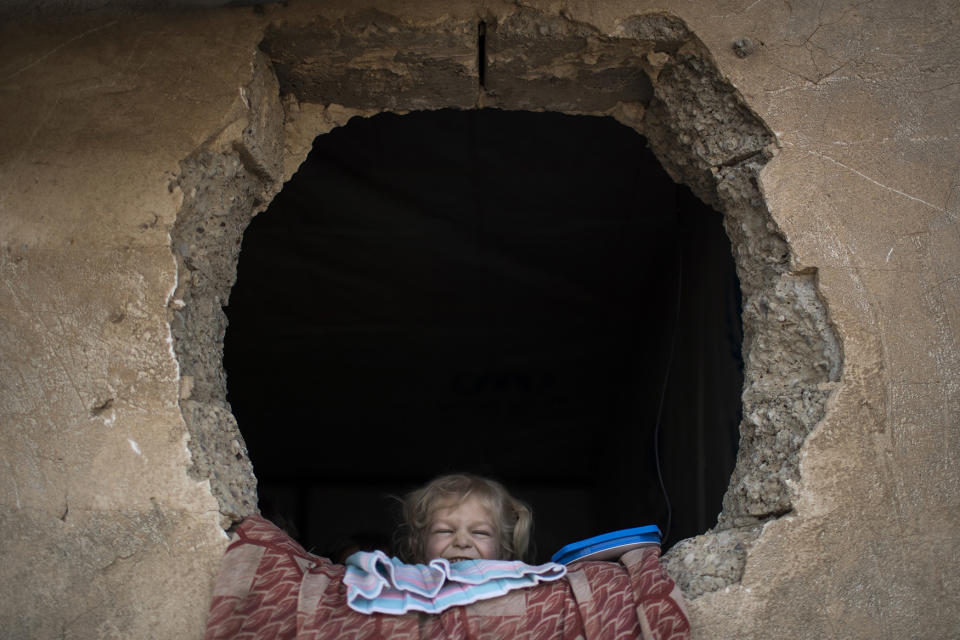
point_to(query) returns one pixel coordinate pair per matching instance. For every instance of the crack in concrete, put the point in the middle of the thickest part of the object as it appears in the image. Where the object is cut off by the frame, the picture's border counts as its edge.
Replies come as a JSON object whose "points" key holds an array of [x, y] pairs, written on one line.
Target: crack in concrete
{"points": [[58, 48], [876, 182]]}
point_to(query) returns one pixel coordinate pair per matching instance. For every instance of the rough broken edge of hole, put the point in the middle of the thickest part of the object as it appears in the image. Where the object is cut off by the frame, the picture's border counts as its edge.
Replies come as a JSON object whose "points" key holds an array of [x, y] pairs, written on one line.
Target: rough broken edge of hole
{"points": [[704, 135]]}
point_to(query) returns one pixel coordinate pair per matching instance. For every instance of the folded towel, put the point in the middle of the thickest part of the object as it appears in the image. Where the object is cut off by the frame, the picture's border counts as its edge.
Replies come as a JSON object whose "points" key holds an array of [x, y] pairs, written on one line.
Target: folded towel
{"points": [[379, 584]]}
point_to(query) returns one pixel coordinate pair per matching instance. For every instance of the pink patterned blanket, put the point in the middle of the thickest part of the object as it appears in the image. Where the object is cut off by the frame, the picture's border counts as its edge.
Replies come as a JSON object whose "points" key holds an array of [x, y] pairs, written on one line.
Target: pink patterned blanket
{"points": [[269, 587]]}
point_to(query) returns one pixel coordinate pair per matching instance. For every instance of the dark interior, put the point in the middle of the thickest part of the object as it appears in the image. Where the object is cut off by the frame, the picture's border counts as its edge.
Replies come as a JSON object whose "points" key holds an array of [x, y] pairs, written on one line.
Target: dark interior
{"points": [[510, 293]]}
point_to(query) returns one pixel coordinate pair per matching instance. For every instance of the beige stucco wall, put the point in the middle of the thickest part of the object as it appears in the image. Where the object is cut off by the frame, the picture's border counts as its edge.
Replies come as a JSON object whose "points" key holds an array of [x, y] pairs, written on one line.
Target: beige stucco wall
{"points": [[103, 533]]}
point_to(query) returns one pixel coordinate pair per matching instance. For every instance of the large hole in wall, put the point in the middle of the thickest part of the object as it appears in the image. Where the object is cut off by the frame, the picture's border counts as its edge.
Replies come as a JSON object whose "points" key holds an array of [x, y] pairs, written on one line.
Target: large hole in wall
{"points": [[655, 77], [494, 291]]}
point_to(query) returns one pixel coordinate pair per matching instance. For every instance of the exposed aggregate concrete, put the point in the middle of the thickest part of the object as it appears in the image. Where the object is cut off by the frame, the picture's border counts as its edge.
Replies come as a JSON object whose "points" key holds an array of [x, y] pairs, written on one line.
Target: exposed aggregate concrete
{"points": [[223, 189], [707, 138]]}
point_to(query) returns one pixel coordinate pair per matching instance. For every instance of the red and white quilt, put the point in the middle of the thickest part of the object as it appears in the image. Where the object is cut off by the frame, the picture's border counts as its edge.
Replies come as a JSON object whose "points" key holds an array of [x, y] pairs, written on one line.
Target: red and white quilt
{"points": [[269, 587]]}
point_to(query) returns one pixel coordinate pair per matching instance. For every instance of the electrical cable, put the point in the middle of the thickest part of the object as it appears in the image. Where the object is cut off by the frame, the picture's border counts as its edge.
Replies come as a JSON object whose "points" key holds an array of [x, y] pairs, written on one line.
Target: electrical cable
{"points": [[663, 392]]}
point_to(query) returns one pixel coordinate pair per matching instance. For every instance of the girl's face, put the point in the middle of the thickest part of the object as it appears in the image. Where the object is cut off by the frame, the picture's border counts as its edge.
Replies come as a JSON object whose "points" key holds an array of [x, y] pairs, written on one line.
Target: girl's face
{"points": [[463, 532]]}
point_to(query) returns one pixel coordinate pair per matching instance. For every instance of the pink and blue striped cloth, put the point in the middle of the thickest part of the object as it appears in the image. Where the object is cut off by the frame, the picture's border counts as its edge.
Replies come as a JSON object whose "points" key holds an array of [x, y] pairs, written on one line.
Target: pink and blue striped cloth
{"points": [[379, 584]]}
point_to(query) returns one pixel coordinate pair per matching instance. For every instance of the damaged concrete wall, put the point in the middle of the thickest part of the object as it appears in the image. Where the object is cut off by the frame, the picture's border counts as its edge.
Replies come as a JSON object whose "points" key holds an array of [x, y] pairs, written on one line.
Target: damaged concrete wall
{"points": [[107, 529], [136, 149]]}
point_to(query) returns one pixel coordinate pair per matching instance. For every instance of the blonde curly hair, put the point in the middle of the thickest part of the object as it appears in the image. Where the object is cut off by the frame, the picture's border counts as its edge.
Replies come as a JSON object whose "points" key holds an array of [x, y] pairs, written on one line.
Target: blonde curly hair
{"points": [[513, 518]]}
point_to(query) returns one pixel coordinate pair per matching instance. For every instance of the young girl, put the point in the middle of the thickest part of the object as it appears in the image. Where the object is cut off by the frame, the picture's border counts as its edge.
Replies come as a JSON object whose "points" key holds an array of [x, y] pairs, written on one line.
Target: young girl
{"points": [[462, 516]]}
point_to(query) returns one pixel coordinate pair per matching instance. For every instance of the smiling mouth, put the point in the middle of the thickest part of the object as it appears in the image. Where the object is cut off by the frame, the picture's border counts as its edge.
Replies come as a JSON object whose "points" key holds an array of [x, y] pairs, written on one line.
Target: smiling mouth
{"points": [[458, 559]]}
